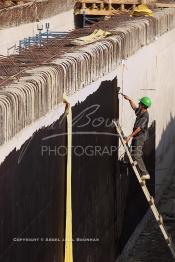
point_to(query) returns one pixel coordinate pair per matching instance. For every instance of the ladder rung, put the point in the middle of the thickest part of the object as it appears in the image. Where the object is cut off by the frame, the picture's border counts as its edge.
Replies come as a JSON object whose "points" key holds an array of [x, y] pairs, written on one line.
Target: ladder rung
{"points": [[150, 199], [142, 183], [160, 221], [168, 240], [151, 202], [134, 163]]}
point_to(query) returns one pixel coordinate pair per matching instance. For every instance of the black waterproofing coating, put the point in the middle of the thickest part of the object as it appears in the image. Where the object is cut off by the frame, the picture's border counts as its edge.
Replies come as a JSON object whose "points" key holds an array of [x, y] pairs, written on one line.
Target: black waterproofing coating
{"points": [[107, 202]]}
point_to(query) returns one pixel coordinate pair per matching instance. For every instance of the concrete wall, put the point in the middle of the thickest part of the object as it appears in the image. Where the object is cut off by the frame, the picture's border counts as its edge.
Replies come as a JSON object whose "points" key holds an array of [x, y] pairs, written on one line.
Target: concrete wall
{"points": [[104, 194], [141, 69], [32, 200], [74, 71], [10, 36], [24, 102], [151, 72]]}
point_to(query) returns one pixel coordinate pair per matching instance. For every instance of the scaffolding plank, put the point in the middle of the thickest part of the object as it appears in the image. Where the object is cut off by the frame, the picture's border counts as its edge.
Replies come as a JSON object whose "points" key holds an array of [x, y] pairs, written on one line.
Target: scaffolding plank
{"points": [[109, 1], [165, 5]]}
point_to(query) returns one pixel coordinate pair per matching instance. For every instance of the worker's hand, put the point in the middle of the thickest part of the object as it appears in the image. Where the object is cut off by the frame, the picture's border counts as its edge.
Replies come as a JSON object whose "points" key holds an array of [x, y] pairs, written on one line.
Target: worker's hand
{"points": [[128, 139], [126, 97]]}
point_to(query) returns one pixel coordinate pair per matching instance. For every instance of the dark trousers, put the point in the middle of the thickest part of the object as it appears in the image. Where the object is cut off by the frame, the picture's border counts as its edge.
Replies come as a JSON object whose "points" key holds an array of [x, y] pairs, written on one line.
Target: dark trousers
{"points": [[137, 153]]}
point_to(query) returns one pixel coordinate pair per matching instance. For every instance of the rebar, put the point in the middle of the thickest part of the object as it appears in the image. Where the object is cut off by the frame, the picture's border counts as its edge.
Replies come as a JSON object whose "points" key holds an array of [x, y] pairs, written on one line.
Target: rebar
{"points": [[33, 81]]}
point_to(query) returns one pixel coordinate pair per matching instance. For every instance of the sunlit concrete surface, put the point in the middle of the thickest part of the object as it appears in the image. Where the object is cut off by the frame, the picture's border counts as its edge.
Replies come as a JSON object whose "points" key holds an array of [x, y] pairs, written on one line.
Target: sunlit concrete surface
{"points": [[151, 72]]}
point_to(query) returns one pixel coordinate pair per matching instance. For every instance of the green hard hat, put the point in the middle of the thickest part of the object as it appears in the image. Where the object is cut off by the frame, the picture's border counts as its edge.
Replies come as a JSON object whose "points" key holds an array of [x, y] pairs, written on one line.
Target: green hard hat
{"points": [[145, 101]]}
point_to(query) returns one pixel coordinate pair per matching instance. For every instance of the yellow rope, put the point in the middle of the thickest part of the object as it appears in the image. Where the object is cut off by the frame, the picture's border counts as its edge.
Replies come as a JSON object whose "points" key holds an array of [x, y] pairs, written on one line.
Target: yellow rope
{"points": [[68, 234]]}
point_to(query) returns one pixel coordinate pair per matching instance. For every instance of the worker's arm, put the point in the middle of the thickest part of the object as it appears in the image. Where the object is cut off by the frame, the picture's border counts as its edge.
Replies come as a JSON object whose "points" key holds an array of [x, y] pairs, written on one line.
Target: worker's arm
{"points": [[134, 133], [132, 104]]}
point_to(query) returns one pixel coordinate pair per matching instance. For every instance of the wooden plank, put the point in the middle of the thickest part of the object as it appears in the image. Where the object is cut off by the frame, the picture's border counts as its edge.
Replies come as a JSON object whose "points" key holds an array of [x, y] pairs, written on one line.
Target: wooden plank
{"points": [[94, 12], [109, 1], [98, 11], [165, 5]]}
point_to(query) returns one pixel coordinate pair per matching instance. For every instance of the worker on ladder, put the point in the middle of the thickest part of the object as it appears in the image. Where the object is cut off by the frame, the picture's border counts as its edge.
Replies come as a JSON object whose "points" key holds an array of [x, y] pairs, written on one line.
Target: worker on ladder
{"points": [[139, 133]]}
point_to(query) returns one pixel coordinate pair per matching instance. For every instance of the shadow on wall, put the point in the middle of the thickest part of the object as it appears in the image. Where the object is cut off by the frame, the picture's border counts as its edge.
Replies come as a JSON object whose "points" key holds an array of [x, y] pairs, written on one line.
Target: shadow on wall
{"points": [[32, 199], [105, 199], [94, 176], [167, 140]]}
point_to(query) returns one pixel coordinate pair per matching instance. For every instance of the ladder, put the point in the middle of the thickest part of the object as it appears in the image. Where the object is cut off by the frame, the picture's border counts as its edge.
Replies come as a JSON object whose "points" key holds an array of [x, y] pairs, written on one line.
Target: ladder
{"points": [[142, 183]]}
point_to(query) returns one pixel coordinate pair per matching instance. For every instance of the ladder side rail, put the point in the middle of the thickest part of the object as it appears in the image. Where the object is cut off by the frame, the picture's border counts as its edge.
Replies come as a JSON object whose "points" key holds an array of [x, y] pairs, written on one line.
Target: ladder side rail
{"points": [[146, 192], [144, 188]]}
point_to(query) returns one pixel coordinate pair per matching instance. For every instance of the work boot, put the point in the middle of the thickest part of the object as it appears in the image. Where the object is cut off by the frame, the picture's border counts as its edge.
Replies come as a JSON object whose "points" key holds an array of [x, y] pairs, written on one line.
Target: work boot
{"points": [[145, 177]]}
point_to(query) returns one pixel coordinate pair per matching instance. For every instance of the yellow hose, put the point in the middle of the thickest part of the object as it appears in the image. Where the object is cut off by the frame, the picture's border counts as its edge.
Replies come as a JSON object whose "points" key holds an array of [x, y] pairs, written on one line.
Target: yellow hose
{"points": [[68, 234]]}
